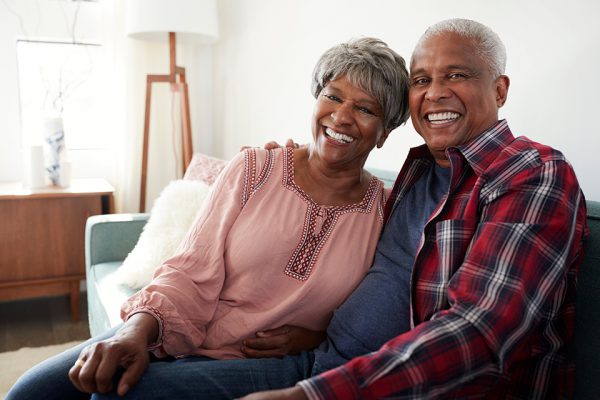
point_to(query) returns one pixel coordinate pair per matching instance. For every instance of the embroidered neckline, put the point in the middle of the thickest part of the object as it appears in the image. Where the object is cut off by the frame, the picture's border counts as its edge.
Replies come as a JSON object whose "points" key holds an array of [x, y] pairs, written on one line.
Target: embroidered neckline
{"points": [[364, 206]]}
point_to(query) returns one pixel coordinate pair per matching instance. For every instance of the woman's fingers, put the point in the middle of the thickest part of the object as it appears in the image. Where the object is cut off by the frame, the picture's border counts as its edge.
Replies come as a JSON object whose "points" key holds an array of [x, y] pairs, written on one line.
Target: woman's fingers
{"points": [[133, 373], [83, 372]]}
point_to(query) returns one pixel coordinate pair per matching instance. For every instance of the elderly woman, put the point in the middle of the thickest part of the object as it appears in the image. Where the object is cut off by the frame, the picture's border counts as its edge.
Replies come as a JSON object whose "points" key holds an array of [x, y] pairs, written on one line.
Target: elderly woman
{"points": [[286, 235]]}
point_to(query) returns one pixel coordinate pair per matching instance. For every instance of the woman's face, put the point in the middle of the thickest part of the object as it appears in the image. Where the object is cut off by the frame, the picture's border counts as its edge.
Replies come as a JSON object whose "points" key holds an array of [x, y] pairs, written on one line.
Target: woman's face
{"points": [[347, 124]]}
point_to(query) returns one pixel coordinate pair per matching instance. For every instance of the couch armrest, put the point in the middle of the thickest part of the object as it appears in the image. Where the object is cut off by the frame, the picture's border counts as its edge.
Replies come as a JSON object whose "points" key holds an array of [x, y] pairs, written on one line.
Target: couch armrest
{"points": [[111, 237]]}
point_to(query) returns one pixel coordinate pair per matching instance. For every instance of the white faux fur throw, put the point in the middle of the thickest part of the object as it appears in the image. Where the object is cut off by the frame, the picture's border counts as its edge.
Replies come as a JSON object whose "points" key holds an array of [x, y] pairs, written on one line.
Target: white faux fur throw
{"points": [[171, 217]]}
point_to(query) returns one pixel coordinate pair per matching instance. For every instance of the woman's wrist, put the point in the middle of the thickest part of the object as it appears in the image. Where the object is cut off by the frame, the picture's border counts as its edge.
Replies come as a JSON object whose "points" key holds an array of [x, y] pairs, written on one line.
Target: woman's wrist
{"points": [[142, 327]]}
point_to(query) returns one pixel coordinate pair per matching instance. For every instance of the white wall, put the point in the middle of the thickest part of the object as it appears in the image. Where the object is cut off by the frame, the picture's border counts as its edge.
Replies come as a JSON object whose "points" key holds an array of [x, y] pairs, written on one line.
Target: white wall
{"points": [[267, 49], [252, 86]]}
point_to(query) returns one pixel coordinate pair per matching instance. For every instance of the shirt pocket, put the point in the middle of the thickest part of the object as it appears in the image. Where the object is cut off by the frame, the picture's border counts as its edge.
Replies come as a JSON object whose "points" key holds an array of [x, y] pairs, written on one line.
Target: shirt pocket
{"points": [[453, 239]]}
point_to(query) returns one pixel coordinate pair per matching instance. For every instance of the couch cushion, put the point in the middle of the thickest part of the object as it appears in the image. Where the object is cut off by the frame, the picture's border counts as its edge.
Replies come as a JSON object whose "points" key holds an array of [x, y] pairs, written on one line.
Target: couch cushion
{"points": [[204, 168], [111, 294], [587, 328], [172, 214]]}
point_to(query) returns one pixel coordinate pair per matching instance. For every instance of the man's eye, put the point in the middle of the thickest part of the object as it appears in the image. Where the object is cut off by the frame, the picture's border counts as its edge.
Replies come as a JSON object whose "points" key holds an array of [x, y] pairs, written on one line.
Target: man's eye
{"points": [[456, 76], [420, 81]]}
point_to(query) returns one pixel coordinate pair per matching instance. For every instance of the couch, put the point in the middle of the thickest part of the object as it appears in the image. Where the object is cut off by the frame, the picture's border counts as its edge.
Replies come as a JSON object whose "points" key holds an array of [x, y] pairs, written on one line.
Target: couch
{"points": [[109, 238]]}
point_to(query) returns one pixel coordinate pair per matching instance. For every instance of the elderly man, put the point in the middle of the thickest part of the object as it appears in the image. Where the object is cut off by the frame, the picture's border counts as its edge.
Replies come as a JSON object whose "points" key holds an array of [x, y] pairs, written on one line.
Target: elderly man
{"points": [[493, 227]]}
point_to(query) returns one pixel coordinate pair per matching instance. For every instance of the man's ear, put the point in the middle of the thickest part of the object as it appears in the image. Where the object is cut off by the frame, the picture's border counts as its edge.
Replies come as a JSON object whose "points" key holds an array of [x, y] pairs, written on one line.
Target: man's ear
{"points": [[383, 138], [502, 84]]}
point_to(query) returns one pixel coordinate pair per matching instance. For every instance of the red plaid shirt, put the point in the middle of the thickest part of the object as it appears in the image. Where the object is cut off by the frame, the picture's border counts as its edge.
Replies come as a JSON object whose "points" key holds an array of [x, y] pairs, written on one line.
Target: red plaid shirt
{"points": [[493, 284]]}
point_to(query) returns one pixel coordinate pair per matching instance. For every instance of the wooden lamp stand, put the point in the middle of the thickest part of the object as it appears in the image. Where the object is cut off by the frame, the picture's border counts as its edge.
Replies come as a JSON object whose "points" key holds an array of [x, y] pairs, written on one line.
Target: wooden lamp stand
{"points": [[178, 85]]}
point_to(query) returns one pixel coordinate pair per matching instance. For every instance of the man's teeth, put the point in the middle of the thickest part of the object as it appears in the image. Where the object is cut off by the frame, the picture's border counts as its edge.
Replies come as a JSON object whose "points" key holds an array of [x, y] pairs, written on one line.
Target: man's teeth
{"points": [[340, 137], [440, 118]]}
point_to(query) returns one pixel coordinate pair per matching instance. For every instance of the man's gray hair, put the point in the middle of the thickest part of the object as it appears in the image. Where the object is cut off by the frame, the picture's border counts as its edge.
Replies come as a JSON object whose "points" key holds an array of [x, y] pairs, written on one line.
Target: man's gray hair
{"points": [[370, 65], [488, 43]]}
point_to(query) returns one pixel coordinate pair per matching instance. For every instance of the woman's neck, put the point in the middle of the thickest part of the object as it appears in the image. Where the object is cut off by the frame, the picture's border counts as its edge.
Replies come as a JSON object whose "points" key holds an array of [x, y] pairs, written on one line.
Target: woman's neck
{"points": [[329, 184]]}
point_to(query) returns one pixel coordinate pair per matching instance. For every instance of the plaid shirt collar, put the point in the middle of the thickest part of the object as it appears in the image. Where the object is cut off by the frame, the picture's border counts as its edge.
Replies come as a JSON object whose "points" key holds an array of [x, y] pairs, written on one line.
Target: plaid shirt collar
{"points": [[479, 153]]}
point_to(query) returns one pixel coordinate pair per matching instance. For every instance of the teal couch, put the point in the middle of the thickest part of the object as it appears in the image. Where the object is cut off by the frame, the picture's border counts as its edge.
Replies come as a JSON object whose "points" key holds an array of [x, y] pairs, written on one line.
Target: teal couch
{"points": [[587, 327], [109, 238]]}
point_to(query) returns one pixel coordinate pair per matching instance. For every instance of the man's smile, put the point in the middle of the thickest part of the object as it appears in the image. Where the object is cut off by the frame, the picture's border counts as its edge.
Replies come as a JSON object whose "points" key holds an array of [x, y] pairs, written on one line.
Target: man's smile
{"points": [[442, 117]]}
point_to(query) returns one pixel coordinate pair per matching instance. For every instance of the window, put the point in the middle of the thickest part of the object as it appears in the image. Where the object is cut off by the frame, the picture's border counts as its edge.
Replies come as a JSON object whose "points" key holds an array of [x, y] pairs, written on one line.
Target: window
{"points": [[61, 79]]}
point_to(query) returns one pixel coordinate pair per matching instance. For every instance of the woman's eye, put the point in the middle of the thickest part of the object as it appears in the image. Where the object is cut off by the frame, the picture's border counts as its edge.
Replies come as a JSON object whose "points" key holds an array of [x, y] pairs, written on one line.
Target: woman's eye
{"points": [[365, 110], [332, 97]]}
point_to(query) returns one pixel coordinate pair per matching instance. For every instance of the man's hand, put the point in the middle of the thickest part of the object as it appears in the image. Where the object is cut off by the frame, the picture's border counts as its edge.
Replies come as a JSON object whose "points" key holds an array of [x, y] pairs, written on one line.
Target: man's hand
{"points": [[96, 366], [274, 145], [281, 341], [294, 393]]}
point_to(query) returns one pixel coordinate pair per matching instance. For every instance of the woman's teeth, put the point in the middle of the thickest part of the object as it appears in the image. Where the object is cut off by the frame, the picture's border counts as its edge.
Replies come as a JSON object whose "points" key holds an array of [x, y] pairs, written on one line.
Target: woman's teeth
{"points": [[340, 137]]}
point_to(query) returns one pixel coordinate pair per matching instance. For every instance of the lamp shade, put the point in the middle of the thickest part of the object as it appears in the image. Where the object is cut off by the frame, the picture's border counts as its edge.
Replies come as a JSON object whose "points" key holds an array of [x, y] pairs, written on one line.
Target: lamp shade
{"points": [[194, 21]]}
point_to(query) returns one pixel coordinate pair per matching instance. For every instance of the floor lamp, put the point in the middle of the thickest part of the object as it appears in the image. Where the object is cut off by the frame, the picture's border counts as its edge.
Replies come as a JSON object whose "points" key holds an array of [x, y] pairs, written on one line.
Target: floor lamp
{"points": [[192, 21]]}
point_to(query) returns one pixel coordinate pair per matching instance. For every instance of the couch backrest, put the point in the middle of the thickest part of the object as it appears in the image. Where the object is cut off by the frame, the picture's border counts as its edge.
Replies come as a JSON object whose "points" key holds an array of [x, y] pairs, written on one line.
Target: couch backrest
{"points": [[587, 327]]}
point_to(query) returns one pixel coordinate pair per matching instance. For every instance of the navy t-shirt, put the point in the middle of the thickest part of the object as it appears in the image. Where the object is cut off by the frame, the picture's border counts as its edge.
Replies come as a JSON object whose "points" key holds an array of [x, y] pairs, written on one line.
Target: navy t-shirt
{"points": [[378, 310]]}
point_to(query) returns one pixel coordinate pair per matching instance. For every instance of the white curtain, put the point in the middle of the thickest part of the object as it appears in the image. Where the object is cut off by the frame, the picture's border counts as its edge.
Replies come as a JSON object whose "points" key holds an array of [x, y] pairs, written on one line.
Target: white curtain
{"points": [[132, 60]]}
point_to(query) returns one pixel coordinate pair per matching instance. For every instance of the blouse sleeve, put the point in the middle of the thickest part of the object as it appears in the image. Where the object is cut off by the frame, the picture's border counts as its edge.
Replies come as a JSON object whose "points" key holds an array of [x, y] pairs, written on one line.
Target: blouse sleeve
{"points": [[184, 292]]}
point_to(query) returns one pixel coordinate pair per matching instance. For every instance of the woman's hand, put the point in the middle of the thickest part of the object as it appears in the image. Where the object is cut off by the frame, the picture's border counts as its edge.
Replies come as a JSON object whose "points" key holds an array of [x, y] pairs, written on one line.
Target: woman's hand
{"points": [[278, 342], [293, 393], [94, 369]]}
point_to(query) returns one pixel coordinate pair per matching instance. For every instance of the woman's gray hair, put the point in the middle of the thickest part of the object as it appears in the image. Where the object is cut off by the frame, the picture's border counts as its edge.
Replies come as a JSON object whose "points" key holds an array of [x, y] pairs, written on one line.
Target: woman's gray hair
{"points": [[370, 65], [489, 46]]}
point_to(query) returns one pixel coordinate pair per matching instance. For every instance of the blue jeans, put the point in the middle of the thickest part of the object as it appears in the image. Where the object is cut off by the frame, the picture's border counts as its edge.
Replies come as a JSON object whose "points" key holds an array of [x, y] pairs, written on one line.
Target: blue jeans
{"points": [[187, 378]]}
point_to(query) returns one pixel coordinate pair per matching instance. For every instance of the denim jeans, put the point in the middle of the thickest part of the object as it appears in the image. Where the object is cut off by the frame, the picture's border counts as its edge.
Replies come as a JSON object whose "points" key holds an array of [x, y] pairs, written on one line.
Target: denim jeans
{"points": [[186, 378]]}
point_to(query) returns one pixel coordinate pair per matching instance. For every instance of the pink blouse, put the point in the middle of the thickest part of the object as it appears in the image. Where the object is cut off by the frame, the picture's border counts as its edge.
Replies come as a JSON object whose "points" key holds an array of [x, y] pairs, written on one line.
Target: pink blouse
{"points": [[260, 255]]}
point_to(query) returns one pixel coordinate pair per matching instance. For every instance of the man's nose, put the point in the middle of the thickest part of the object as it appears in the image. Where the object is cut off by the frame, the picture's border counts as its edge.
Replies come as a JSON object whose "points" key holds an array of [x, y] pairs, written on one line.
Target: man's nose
{"points": [[437, 91], [342, 115]]}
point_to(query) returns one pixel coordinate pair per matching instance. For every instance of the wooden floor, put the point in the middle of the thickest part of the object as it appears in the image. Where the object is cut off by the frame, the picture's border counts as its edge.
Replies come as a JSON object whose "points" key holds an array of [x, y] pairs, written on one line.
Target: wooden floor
{"points": [[40, 322]]}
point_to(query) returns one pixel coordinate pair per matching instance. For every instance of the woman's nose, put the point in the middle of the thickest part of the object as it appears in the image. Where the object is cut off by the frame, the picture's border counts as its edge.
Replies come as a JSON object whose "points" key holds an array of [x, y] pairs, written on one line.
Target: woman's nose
{"points": [[342, 115]]}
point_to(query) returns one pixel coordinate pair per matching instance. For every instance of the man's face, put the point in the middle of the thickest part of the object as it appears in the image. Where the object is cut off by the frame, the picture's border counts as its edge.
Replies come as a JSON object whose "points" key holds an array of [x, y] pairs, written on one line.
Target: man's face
{"points": [[453, 96]]}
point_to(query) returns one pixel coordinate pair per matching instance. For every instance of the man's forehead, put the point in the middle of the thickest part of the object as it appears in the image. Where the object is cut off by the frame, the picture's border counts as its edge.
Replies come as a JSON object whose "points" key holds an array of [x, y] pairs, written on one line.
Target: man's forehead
{"points": [[445, 48]]}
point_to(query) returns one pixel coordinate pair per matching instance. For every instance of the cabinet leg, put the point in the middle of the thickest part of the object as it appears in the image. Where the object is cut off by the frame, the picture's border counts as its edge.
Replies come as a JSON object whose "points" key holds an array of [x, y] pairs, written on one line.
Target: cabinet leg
{"points": [[74, 300]]}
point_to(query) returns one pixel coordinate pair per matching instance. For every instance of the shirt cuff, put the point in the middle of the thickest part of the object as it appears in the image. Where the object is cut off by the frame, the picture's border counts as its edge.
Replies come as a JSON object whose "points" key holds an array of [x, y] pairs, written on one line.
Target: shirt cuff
{"points": [[309, 389], [157, 346]]}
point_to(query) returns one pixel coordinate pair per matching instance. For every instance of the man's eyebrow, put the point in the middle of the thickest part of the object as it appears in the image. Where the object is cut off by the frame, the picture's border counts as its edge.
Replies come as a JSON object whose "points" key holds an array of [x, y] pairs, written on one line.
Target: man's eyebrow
{"points": [[417, 71], [460, 67]]}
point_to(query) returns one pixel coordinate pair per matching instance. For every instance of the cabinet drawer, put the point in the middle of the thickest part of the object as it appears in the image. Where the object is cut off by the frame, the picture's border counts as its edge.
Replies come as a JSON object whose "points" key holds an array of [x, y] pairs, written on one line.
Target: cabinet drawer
{"points": [[44, 237]]}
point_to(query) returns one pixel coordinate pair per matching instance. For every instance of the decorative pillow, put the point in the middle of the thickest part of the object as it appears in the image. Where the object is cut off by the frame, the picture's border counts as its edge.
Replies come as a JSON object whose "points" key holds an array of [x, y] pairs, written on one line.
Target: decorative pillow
{"points": [[172, 214], [204, 168]]}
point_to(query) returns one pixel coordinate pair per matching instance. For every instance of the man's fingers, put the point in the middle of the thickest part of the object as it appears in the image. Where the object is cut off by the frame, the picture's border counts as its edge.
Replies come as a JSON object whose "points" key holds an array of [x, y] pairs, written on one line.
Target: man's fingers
{"points": [[252, 353], [272, 145], [291, 143], [282, 330], [266, 343]]}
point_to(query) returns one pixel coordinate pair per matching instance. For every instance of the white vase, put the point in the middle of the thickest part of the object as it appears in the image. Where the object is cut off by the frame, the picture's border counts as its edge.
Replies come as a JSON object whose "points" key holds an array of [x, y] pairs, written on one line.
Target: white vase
{"points": [[54, 148], [36, 168]]}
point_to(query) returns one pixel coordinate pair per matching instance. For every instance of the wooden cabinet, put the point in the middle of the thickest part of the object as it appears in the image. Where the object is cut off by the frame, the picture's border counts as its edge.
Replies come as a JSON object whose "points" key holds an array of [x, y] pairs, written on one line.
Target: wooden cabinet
{"points": [[42, 234]]}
